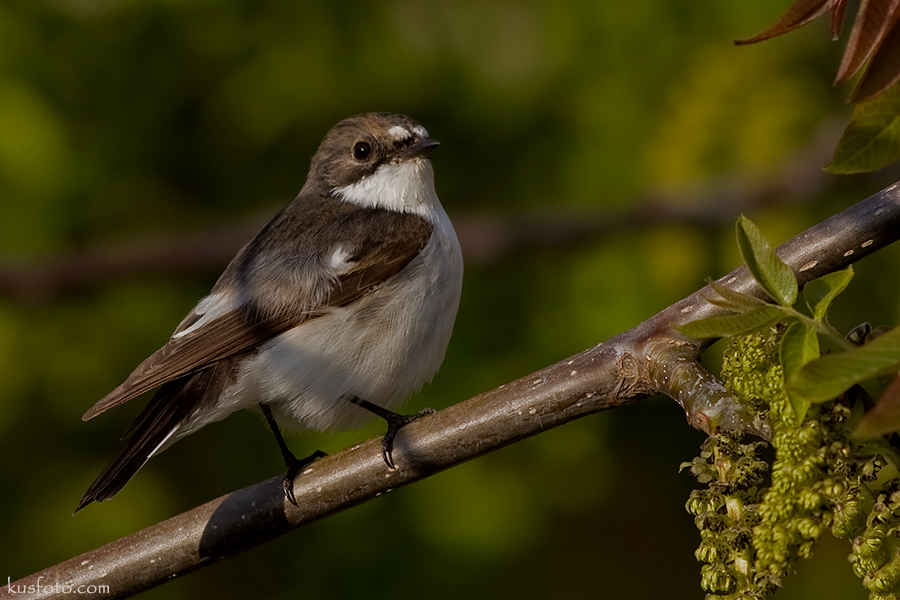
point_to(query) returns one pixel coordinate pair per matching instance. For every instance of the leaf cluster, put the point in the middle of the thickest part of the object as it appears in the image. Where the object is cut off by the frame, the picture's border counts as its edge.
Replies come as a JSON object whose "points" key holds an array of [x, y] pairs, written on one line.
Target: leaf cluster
{"points": [[810, 375], [725, 512], [822, 480], [831, 472]]}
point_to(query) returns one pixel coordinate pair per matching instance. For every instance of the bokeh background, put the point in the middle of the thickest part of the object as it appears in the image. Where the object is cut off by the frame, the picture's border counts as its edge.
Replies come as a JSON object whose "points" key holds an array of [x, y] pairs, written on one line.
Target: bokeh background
{"points": [[595, 157]]}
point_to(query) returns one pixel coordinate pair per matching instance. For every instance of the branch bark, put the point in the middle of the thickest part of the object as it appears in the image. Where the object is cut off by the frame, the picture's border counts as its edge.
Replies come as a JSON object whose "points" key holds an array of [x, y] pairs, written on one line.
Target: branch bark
{"points": [[650, 358]]}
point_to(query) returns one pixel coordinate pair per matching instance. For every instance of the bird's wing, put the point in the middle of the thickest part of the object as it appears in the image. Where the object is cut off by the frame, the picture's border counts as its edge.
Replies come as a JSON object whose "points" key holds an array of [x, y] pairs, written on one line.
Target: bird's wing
{"points": [[374, 252]]}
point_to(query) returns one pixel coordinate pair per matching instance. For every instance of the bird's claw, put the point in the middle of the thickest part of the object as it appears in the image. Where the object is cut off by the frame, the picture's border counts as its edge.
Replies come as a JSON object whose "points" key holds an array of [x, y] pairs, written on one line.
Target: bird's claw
{"points": [[395, 424], [295, 467]]}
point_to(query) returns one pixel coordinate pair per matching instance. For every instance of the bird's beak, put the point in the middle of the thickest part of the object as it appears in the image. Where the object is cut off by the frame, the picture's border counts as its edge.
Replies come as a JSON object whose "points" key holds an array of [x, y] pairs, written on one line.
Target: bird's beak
{"points": [[422, 148]]}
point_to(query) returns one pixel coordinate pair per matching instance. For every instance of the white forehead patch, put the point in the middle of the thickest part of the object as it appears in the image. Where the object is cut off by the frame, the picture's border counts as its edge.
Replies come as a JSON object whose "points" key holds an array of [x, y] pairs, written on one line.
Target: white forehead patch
{"points": [[399, 133]]}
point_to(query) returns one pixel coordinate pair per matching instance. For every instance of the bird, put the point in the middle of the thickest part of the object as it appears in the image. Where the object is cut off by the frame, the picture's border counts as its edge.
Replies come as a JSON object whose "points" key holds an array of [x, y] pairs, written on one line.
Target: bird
{"points": [[335, 313]]}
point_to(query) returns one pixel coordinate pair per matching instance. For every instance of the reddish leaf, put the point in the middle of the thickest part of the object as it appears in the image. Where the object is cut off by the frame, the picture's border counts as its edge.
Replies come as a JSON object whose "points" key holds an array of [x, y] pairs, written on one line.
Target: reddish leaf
{"points": [[873, 20], [874, 39], [799, 14], [884, 416], [883, 70], [836, 18]]}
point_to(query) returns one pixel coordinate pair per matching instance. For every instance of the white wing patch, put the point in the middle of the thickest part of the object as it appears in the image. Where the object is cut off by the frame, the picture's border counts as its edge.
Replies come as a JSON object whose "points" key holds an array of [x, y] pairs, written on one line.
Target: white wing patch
{"points": [[210, 308], [340, 259]]}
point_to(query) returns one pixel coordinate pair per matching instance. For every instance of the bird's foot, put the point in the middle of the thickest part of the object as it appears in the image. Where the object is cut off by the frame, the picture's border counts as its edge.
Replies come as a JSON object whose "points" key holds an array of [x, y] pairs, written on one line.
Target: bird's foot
{"points": [[295, 467], [395, 424]]}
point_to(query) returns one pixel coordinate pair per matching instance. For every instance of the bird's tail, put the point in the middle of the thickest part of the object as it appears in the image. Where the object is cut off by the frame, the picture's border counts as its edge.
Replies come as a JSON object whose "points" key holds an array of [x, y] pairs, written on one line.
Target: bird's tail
{"points": [[170, 407]]}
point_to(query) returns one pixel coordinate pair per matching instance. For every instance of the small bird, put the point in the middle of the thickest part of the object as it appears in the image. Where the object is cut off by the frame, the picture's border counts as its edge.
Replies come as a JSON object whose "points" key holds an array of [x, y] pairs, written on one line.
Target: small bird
{"points": [[337, 311]]}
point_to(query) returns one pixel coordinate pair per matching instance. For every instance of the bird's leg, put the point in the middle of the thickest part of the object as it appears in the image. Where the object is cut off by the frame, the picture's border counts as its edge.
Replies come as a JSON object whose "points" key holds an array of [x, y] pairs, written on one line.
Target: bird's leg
{"points": [[395, 423], [294, 464]]}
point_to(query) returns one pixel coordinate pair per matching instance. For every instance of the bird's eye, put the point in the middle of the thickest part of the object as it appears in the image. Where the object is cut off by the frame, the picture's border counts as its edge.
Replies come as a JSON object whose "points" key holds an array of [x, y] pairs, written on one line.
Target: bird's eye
{"points": [[361, 150]]}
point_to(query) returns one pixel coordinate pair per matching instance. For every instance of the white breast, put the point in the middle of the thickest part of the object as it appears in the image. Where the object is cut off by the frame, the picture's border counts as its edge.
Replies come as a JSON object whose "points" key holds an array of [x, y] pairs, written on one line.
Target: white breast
{"points": [[382, 348]]}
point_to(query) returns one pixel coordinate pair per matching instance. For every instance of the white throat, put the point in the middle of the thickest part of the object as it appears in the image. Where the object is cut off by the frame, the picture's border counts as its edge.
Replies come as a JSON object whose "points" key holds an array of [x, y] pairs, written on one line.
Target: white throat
{"points": [[406, 186]]}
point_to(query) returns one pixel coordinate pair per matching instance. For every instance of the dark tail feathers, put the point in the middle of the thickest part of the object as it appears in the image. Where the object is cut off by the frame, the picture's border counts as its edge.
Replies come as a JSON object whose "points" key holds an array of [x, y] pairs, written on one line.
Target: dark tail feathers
{"points": [[170, 406]]}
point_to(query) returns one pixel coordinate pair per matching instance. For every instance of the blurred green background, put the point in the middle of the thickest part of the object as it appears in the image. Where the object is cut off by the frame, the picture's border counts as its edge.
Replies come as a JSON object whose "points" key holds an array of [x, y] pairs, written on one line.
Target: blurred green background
{"points": [[124, 123]]}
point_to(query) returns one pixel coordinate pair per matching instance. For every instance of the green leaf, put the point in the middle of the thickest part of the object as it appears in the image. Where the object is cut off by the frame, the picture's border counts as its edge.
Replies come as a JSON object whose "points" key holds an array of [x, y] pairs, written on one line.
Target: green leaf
{"points": [[871, 140], [732, 300], [884, 416], [738, 324], [799, 405], [775, 277], [820, 292], [833, 374], [799, 346]]}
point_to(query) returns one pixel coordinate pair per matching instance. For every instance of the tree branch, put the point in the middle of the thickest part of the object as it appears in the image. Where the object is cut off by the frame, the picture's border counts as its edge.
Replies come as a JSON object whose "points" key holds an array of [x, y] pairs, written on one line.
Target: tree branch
{"points": [[650, 358]]}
